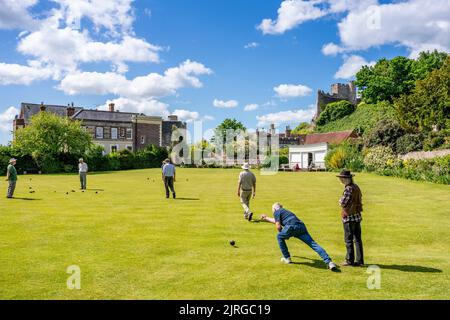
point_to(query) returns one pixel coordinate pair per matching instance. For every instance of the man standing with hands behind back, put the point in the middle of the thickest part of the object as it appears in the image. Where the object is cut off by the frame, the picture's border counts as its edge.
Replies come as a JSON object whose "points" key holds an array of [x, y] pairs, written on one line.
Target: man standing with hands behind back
{"points": [[11, 177], [246, 189]]}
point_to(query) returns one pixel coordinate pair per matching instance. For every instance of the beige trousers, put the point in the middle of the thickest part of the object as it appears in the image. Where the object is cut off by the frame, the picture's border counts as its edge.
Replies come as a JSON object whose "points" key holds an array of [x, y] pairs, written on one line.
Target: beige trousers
{"points": [[245, 200]]}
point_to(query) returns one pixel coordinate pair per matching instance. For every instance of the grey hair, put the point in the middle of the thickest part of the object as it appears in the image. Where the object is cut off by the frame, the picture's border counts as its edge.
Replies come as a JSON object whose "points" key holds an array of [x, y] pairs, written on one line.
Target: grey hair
{"points": [[347, 181], [276, 206]]}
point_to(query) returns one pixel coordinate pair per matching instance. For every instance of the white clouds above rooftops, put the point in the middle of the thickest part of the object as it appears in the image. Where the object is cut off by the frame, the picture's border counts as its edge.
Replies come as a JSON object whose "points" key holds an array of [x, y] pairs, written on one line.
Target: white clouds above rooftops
{"points": [[225, 104]]}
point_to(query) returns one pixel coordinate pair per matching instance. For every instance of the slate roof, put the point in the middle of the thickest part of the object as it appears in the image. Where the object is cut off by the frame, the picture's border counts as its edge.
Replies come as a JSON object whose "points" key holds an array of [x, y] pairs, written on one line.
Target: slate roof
{"points": [[28, 110], [97, 115], [330, 137]]}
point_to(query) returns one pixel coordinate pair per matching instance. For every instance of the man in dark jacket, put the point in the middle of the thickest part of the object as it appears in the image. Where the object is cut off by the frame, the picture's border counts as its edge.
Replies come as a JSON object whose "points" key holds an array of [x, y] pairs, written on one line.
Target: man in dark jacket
{"points": [[351, 204]]}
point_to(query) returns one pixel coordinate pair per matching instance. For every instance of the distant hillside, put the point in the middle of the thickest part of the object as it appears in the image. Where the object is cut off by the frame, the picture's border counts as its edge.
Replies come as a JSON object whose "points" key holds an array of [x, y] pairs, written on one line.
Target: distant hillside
{"points": [[364, 118]]}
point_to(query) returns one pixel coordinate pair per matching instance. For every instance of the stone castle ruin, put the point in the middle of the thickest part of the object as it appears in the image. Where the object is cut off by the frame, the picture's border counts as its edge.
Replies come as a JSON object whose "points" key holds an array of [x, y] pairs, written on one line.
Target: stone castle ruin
{"points": [[339, 92]]}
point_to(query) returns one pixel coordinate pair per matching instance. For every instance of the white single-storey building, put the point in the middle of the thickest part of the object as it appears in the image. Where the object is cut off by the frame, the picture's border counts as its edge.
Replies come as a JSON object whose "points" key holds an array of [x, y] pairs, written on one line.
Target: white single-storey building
{"points": [[311, 154], [308, 155]]}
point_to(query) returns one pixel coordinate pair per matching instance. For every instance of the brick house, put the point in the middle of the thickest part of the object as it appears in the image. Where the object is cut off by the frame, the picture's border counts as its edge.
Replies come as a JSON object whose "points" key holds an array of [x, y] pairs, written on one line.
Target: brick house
{"points": [[111, 129]]}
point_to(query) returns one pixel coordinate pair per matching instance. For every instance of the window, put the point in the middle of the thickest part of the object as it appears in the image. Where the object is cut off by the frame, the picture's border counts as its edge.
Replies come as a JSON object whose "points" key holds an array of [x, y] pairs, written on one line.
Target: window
{"points": [[129, 133], [142, 139], [114, 149], [122, 133], [91, 131], [128, 147], [107, 133], [114, 133], [99, 132]]}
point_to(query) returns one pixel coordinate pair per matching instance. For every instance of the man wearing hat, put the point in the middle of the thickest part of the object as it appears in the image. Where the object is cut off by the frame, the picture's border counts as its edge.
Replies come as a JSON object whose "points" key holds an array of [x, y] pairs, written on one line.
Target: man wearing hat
{"points": [[246, 189], [168, 177], [351, 203], [11, 177]]}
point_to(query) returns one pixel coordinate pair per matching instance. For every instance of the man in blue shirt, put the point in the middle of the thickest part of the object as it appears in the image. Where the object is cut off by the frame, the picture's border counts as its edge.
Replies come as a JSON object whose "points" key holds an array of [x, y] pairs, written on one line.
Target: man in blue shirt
{"points": [[289, 225], [168, 177]]}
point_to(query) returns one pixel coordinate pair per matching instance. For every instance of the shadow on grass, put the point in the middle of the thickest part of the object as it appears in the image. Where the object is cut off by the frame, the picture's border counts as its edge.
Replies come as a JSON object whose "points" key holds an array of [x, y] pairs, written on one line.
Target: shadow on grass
{"points": [[408, 268], [95, 190], [315, 263], [405, 268], [25, 199], [187, 199]]}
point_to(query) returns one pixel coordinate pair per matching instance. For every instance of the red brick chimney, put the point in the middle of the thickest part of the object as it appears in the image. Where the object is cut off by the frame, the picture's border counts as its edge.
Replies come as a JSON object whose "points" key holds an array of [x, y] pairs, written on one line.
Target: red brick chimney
{"points": [[111, 107], [70, 110]]}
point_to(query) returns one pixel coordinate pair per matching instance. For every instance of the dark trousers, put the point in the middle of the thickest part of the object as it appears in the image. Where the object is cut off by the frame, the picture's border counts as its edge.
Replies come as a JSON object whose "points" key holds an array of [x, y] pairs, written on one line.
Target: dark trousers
{"points": [[352, 235], [168, 184]]}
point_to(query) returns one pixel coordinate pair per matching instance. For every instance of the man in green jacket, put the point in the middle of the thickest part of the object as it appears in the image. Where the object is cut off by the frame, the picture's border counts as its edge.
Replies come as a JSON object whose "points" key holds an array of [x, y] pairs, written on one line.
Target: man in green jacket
{"points": [[11, 177]]}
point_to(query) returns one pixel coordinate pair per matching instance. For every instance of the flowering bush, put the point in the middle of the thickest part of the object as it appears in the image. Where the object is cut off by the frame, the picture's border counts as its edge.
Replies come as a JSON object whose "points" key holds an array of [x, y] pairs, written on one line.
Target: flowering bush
{"points": [[380, 158]]}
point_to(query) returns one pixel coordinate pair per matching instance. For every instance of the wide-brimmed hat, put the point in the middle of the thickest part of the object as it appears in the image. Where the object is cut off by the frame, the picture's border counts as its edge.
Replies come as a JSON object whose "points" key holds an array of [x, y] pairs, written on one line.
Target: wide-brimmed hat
{"points": [[345, 174], [245, 166], [12, 160]]}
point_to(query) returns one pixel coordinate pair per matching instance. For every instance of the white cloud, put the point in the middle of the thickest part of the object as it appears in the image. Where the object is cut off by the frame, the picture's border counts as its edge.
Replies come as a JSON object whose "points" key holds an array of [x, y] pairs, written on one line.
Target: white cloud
{"points": [[331, 49], [23, 75], [186, 115], [225, 104], [414, 24], [115, 16], [292, 91], [251, 45], [208, 118], [14, 14], [6, 119], [351, 66], [149, 86], [290, 14], [149, 107], [251, 107], [291, 116]]}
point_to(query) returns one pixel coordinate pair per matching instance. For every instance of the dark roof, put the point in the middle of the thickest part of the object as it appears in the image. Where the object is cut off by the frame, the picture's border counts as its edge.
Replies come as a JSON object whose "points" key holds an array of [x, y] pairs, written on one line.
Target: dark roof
{"points": [[330, 137], [98, 115], [30, 109]]}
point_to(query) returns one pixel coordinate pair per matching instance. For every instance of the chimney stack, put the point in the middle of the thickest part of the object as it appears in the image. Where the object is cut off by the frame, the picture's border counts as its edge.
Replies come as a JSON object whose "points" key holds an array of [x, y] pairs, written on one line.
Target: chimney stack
{"points": [[70, 110], [173, 118], [111, 107], [272, 129], [42, 108], [288, 131]]}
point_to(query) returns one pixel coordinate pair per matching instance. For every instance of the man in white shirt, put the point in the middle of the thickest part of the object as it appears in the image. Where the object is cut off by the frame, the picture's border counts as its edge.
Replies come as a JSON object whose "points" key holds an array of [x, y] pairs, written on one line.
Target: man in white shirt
{"points": [[82, 170], [168, 177]]}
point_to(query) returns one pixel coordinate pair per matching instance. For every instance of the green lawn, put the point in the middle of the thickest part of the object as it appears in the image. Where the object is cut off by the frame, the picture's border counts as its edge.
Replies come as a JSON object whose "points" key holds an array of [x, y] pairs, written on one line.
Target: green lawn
{"points": [[132, 243]]}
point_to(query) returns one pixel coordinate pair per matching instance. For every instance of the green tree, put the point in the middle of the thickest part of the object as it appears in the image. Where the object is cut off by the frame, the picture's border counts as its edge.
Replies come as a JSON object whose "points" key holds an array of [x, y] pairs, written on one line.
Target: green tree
{"points": [[334, 111], [303, 128], [228, 124], [428, 107], [385, 80], [49, 136], [389, 79]]}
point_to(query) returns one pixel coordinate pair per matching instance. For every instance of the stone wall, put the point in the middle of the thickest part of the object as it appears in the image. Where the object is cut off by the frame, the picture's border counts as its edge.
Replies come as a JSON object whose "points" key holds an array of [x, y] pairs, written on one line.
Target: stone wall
{"points": [[426, 154]]}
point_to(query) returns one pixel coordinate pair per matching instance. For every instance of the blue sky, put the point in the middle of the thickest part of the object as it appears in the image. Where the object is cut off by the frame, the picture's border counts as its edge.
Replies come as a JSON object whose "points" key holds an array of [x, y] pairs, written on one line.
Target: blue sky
{"points": [[203, 60]]}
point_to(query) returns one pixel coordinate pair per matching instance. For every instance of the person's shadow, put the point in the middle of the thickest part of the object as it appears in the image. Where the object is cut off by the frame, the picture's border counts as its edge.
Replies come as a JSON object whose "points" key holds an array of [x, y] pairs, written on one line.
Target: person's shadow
{"points": [[314, 263], [405, 268], [187, 199], [25, 199]]}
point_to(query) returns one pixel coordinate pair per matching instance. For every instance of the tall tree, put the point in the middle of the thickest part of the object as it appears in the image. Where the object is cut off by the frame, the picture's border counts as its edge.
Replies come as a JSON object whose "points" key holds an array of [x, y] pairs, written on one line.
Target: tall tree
{"points": [[48, 136], [389, 79], [428, 107], [228, 124]]}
